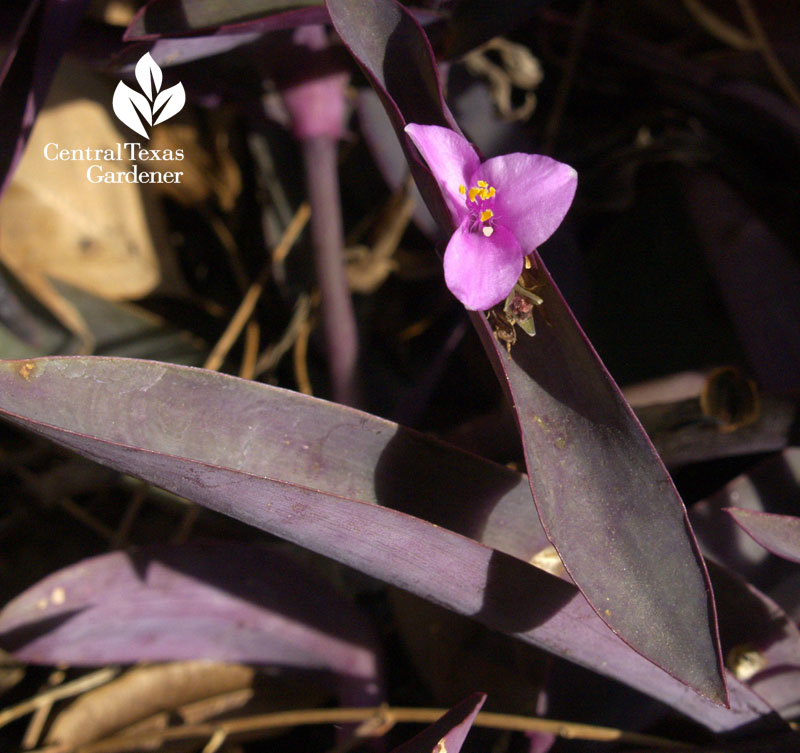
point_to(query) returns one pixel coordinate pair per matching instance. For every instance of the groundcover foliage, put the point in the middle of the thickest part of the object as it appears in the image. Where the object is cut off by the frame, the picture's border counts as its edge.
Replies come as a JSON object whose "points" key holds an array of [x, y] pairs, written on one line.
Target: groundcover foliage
{"points": [[521, 519]]}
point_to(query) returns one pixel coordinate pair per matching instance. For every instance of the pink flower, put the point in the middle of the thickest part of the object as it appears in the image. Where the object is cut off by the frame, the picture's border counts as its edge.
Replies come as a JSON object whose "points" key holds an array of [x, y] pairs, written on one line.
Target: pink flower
{"points": [[503, 209]]}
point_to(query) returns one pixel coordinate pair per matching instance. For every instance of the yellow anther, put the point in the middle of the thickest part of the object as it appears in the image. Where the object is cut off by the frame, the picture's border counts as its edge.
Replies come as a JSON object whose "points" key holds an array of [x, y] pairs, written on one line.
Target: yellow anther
{"points": [[481, 191], [486, 214]]}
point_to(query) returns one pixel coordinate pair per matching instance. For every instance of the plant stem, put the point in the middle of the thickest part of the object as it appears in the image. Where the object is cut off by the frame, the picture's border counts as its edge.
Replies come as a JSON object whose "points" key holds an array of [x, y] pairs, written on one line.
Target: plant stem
{"points": [[327, 237]]}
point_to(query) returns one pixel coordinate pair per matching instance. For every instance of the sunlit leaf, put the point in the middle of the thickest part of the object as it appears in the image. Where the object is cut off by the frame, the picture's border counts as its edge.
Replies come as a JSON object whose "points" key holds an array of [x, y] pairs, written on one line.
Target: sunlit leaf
{"points": [[227, 602], [605, 499], [780, 534], [327, 477]]}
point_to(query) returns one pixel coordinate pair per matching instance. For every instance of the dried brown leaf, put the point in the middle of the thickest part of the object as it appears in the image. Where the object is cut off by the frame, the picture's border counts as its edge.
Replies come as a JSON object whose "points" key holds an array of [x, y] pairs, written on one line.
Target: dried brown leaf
{"points": [[144, 692], [55, 222]]}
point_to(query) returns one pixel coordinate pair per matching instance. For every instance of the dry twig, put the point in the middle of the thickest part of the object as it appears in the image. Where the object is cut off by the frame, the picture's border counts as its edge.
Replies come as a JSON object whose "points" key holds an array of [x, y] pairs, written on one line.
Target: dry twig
{"points": [[248, 304], [718, 27], [385, 715], [67, 690], [779, 73]]}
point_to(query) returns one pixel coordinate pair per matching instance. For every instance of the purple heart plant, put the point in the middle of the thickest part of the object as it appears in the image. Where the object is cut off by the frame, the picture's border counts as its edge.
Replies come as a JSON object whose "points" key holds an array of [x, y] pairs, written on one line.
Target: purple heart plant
{"points": [[589, 555]]}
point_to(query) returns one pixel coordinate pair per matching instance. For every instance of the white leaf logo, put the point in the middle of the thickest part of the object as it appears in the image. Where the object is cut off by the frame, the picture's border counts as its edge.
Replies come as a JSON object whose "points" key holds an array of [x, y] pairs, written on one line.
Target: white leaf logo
{"points": [[147, 74], [168, 103], [136, 110], [126, 103]]}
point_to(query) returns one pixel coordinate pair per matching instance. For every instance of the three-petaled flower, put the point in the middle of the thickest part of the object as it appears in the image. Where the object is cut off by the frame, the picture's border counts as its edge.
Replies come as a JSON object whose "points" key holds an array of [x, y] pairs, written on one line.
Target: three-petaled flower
{"points": [[502, 208]]}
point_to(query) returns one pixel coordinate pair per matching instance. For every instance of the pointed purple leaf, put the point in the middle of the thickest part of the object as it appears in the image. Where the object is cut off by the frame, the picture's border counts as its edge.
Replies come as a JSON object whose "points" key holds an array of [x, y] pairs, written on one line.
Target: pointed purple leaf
{"points": [[604, 497], [396, 57], [176, 17], [769, 487], [171, 18], [227, 602], [760, 641], [602, 491], [316, 473], [44, 30], [446, 735], [171, 52], [757, 274], [780, 534]]}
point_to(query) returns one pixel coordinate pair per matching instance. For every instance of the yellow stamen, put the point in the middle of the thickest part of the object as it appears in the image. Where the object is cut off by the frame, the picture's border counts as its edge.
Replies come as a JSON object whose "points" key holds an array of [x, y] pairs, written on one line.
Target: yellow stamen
{"points": [[481, 191], [486, 214]]}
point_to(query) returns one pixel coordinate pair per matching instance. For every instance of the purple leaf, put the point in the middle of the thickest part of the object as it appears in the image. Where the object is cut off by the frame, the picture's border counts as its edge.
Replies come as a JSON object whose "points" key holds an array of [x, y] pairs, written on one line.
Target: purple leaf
{"points": [[446, 735], [170, 52], [769, 487], [312, 472], [396, 57], [760, 641], [605, 499], [177, 17], [602, 491], [44, 29], [227, 602], [758, 277], [780, 534], [170, 18]]}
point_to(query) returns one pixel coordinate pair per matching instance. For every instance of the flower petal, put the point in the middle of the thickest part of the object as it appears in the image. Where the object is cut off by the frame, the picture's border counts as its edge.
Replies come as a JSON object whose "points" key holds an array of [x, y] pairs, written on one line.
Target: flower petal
{"points": [[452, 160], [481, 271], [534, 193]]}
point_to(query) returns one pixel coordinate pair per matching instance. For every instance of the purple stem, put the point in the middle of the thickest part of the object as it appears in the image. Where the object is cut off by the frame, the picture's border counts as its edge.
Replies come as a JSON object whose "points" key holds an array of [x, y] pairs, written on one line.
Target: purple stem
{"points": [[327, 237]]}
